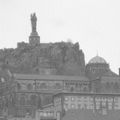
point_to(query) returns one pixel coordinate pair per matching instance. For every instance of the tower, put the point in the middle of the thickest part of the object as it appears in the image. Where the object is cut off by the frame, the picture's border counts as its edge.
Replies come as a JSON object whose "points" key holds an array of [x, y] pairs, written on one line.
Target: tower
{"points": [[34, 38]]}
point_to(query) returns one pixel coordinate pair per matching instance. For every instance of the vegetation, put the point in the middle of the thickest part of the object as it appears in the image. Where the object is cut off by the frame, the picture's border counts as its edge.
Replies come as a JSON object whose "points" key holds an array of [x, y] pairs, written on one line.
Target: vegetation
{"points": [[65, 57]]}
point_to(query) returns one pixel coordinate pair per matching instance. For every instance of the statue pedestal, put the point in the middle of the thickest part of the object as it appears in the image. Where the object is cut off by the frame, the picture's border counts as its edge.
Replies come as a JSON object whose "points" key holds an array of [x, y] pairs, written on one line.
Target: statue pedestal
{"points": [[34, 40]]}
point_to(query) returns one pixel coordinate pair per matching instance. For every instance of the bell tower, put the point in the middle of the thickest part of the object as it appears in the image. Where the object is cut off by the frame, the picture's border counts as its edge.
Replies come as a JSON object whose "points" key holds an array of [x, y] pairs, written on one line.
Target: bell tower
{"points": [[34, 38]]}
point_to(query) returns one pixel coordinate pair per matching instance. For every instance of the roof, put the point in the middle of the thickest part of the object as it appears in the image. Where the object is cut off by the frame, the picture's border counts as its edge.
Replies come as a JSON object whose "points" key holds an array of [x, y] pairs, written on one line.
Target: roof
{"points": [[49, 77], [97, 59], [110, 74], [110, 79], [77, 114]]}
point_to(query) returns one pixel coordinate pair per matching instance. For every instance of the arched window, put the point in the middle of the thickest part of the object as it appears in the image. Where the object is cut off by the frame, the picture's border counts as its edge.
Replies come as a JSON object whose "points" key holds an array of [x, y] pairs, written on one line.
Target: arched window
{"points": [[29, 86], [107, 86], [33, 99], [39, 102], [43, 85], [57, 86], [22, 100], [47, 99], [116, 87], [85, 88], [18, 86], [72, 89]]}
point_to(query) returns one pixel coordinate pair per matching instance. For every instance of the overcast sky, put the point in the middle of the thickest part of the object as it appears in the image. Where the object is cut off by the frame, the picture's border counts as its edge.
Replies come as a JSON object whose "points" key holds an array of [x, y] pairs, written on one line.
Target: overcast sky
{"points": [[95, 24]]}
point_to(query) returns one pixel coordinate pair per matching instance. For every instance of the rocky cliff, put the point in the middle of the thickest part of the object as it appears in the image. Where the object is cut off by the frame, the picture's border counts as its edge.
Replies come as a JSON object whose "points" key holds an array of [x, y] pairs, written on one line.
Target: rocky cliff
{"points": [[63, 58]]}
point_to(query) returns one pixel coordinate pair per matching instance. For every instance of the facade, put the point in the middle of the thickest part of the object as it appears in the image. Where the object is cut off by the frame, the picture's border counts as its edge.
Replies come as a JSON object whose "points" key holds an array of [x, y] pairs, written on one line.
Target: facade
{"points": [[62, 97], [38, 91], [52, 82]]}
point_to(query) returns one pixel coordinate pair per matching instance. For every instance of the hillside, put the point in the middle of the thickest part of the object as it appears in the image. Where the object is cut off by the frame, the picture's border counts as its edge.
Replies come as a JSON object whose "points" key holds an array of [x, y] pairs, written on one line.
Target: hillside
{"points": [[63, 58]]}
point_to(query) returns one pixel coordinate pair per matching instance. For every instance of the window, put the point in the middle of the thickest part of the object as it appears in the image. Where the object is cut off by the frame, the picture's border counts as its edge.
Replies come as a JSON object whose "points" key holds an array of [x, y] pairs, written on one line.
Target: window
{"points": [[117, 103], [29, 86], [103, 103], [104, 111], [72, 98], [33, 99], [109, 106], [43, 85], [72, 89], [116, 87], [66, 106], [93, 71], [79, 106], [97, 105], [108, 86], [22, 100], [57, 86], [66, 98], [72, 106], [2, 79], [18, 86]]}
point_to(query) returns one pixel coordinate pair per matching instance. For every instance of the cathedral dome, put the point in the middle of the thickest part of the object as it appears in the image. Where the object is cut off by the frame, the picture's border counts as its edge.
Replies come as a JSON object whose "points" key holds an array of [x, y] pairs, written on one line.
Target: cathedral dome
{"points": [[97, 59]]}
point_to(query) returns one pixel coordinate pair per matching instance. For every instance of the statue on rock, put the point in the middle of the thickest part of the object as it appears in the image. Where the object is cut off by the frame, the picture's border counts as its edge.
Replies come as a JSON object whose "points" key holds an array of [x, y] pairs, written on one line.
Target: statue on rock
{"points": [[33, 22], [34, 38]]}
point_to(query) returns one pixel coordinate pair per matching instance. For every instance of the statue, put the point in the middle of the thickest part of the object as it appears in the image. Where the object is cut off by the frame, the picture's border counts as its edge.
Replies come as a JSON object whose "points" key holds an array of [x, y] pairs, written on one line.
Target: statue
{"points": [[33, 22]]}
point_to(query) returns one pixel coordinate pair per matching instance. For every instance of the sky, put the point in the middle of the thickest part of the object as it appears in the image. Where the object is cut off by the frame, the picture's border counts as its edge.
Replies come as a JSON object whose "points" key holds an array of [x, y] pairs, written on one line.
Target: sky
{"points": [[95, 24]]}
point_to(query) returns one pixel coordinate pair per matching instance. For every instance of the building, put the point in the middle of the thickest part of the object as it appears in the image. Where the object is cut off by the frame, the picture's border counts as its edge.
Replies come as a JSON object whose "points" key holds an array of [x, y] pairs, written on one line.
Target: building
{"points": [[59, 95], [52, 82]]}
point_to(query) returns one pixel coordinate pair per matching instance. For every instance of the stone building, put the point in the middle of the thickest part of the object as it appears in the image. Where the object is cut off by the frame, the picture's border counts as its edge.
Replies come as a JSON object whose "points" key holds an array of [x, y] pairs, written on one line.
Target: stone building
{"points": [[50, 96], [52, 82]]}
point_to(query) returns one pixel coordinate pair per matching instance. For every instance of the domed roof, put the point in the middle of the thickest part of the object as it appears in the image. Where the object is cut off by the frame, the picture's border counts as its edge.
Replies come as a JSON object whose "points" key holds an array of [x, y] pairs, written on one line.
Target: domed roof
{"points": [[97, 59]]}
